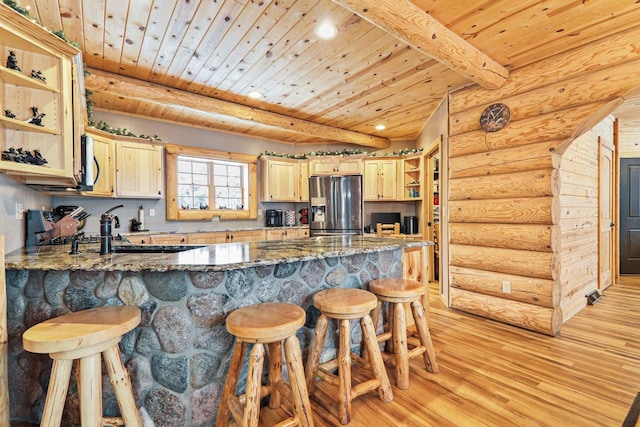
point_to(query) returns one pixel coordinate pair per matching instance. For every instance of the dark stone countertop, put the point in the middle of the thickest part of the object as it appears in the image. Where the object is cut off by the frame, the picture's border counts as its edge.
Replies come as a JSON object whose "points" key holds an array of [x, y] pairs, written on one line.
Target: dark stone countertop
{"points": [[220, 257]]}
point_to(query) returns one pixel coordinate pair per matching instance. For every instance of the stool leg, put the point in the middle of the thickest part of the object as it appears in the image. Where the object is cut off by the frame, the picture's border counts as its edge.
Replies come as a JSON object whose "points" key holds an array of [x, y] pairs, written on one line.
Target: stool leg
{"points": [[371, 344], [235, 364], [254, 384], [275, 373], [400, 345], [121, 383], [389, 345], [301, 404], [313, 360], [344, 371], [91, 391], [425, 337], [57, 392]]}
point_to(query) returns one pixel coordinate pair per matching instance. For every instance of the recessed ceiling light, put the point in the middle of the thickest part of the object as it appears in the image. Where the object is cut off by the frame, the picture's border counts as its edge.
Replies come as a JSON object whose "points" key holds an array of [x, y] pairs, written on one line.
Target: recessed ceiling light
{"points": [[254, 94], [326, 30], [380, 127]]}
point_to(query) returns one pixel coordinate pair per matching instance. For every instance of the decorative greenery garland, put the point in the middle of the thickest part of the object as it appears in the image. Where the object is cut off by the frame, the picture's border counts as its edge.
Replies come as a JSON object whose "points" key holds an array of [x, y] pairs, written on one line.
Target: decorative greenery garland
{"points": [[345, 152]]}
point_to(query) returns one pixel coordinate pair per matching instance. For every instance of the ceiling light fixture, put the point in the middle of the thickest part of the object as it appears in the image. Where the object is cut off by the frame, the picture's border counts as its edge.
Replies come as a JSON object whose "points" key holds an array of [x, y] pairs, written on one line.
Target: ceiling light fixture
{"points": [[326, 30], [255, 94], [380, 127]]}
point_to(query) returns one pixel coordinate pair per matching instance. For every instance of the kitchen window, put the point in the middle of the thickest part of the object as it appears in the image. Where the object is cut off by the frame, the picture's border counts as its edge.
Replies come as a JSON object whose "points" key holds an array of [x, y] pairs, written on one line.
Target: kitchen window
{"points": [[202, 184]]}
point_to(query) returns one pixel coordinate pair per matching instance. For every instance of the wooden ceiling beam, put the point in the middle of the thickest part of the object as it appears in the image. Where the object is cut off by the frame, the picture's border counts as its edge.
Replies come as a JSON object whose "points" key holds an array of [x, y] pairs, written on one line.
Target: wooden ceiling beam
{"points": [[104, 82], [413, 26]]}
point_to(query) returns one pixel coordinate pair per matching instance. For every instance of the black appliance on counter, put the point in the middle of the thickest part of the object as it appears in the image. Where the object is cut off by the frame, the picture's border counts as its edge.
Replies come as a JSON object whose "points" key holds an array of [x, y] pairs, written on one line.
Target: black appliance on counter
{"points": [[274, 218], [410, 225]]}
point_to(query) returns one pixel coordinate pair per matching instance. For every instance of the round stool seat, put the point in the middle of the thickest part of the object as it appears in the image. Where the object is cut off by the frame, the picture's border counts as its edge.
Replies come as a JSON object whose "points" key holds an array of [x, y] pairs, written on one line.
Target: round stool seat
{"points": [[345, 303], [266, 322], [81, 329], [397, 290]]}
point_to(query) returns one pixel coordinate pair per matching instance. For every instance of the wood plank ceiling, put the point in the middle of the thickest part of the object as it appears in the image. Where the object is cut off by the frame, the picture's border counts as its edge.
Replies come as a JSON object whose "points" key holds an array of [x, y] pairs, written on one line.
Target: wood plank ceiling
{"points": [[366, 76]]}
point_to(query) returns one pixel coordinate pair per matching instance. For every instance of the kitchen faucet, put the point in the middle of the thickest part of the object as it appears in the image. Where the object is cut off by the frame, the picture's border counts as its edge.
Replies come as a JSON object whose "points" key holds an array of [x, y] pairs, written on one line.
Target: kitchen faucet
{"points": [[105, 229]]}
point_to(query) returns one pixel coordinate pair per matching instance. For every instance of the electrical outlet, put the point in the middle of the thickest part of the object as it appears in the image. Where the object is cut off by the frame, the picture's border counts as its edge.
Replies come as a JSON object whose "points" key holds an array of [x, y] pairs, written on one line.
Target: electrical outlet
{"points": [[19, 211], [152, 212], [506, 287]]}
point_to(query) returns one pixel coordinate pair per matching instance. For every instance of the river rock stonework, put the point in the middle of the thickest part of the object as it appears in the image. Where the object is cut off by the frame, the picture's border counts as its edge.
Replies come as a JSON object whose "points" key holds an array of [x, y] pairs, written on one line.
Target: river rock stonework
{"points": [[178, 357]]}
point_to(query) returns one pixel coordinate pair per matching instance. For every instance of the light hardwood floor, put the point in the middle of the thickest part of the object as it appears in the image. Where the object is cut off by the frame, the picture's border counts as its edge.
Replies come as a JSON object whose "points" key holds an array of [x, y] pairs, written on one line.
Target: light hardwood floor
{"points": [[497, 375], [492, 374]]}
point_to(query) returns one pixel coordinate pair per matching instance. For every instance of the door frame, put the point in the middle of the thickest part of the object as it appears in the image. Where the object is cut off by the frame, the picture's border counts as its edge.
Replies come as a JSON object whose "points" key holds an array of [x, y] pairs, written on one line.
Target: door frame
{"points": [[612, 208]]}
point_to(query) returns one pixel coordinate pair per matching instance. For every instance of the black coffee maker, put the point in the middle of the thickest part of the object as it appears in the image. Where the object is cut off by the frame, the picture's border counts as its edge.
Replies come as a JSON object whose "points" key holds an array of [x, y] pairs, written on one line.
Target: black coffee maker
{"points": [[274, 218]]}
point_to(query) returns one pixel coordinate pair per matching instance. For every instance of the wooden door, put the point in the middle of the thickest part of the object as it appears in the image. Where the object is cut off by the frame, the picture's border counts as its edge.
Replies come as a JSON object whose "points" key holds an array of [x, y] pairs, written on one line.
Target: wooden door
{"points": [[138, 170], [606, 259], [281, 182], [630, 216], [370, 184]]}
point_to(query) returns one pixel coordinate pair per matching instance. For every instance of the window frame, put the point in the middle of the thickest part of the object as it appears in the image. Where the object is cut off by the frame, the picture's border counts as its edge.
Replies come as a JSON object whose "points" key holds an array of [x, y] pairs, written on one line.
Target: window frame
{"points": [[174, 213]]}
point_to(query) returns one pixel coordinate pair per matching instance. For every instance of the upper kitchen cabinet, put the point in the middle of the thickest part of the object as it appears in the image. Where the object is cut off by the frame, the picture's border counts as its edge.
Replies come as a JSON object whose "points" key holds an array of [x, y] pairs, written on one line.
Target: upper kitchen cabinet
{"points": [[380, 179], [36, 91], [335, 165], [126, 167], [139, 169], [411, 181], [284, 180]]}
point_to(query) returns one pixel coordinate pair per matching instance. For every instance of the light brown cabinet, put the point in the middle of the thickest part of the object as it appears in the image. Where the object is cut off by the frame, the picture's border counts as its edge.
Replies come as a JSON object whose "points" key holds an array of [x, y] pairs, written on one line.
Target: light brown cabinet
{"points": [[211, 238], [411, 181], [282, 233], [341, 165], [53, 138], [169, 239], [284, 180], [380, 180], [139, 171]]}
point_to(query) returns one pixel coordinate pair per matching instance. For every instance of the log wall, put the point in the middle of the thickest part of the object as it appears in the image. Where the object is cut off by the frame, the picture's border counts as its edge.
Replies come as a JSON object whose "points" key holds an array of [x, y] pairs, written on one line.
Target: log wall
{"points": [[523, 201]]}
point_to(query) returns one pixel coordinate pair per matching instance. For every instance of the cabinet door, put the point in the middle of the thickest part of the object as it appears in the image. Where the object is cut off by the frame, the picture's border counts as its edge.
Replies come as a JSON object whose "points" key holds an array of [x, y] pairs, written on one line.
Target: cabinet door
{"points": [[138, 170], [103, 152], [303, 232], [349, 166], [303, 181], [139, 240], [322, 166], [169, 239], [387, 179], [207, 238], [370, 182], [275, 234], [280, 181], [245, 236]]}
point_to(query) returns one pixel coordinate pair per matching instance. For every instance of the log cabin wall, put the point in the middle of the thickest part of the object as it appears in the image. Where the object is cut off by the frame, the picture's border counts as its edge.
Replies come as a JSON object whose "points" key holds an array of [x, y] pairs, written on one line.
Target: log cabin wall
{"points": [[506, 200]]}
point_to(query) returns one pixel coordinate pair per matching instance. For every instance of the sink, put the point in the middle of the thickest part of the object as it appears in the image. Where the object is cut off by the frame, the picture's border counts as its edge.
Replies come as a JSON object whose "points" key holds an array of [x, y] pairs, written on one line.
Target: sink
{"points": [[152, 249]]}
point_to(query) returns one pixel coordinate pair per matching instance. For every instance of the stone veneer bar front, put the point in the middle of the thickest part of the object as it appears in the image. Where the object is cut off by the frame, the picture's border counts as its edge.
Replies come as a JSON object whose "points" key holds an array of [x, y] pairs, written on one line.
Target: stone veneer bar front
{"points": [[178, 356]]}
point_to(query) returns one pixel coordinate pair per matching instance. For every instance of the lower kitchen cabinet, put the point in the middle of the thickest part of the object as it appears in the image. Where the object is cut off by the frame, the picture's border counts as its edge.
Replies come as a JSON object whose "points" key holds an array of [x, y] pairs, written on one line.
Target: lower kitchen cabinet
{"points": [[281, 233], [208, 238], [169, 239], [245, 236]]}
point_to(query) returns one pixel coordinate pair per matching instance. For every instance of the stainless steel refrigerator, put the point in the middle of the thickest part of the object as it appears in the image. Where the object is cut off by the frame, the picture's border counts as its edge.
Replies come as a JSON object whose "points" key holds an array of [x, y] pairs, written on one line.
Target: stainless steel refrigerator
{"points": [[336, 205]]}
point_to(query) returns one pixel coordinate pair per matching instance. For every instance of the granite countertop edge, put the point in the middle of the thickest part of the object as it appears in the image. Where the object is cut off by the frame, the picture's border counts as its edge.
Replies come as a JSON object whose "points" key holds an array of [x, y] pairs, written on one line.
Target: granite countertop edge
{"points": [[201, 258]]}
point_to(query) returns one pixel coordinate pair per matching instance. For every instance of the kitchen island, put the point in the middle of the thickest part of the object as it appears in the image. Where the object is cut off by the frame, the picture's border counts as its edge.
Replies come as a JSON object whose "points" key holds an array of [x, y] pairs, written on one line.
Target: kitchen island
{"points": [[179, 354]]}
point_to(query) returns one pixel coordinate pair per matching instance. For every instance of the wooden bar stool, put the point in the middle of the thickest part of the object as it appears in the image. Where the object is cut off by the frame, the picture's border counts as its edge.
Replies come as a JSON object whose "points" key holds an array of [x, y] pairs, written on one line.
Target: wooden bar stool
{"points": [[266, 323], [398, 292], [85, 336], [346, 304]]}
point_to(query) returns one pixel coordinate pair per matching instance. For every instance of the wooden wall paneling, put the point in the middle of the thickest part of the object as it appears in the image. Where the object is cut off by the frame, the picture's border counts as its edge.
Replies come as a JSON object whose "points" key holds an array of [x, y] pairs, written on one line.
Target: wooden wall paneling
{"points": [[533, 210], [629, 142], [579, 61], [522, 158], [529, 237], [535, 183], [93, 32], [532, 290], [613, 81], [553, 125], [529, 316], [543, 265]]}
